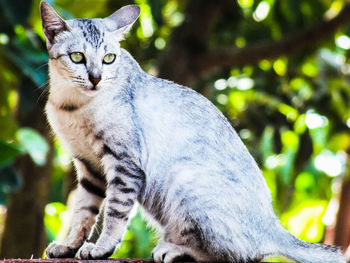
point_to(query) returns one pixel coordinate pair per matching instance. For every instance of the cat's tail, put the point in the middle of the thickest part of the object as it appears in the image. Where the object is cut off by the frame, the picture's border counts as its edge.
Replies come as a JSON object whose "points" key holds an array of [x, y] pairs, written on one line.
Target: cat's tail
{"points": [[305, 252]]}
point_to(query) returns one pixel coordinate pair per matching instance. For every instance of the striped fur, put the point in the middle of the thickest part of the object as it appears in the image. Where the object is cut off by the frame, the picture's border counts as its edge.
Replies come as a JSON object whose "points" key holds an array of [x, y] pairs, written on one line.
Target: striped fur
{"points": [[139, 139]]}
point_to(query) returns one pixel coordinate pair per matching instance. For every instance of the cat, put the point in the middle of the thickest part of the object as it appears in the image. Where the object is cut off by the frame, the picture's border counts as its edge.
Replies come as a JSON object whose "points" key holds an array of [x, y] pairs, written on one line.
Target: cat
{"points": [[136, 138]]}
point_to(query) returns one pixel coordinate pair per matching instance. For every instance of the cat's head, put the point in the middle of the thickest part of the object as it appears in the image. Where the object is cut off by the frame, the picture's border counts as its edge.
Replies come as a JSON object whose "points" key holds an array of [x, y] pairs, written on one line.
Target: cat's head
{"points": [[85, 52]]}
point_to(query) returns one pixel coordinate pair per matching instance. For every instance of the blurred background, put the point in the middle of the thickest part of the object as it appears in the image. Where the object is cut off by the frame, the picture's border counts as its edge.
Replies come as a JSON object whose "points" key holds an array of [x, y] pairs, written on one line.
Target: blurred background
{"points": [[279, 71]]}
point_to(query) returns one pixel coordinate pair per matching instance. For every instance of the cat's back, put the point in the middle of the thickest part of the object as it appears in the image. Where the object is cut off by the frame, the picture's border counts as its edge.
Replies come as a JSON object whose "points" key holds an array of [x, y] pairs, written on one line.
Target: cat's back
{"points": [[167, 108], [180, 123]]}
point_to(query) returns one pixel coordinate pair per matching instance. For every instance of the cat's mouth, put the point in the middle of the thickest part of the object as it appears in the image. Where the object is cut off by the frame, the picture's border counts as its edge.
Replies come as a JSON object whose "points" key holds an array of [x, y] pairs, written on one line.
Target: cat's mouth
{"points": [[86, 87], [89, 90]]}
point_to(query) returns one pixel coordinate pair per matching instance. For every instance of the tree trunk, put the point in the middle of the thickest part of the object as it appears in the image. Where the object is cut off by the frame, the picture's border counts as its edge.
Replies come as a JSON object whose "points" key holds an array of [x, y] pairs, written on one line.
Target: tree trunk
{"points": [[24, 235], [342, 227]]}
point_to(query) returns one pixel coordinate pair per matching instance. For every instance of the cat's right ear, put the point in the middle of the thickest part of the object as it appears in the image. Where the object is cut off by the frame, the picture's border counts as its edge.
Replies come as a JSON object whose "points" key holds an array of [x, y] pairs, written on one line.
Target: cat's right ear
{"points": [[121, 21], [51, 21]]}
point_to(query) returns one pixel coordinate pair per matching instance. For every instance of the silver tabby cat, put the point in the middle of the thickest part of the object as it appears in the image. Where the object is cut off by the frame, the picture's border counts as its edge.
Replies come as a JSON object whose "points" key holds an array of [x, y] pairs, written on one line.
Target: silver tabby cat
{"points": [[139, 139]]}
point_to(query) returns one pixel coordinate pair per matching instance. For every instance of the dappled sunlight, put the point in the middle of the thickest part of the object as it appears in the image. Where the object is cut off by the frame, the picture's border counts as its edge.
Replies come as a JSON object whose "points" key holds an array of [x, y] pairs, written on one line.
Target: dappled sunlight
{"points": [[331, 164], [55, 216], [261, 11], [305, 220], [291, 109]]}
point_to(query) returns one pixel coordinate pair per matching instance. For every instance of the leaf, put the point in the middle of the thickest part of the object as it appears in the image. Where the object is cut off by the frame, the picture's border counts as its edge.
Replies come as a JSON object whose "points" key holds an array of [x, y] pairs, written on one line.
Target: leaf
{"points": [[34, 144], [156, 9], [31, 62], [8, 152], [266, 144]]}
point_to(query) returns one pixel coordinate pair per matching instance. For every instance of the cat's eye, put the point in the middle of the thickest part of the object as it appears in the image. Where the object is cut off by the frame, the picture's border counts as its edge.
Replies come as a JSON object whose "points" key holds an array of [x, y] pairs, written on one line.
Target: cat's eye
{"points": [[77, 57], [109, 58]]}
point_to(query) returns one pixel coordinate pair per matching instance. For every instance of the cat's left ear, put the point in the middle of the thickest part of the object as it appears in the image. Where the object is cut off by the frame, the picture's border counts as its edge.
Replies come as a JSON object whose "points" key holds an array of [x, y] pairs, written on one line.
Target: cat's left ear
{"points": [[121, 21], [52, 22]]}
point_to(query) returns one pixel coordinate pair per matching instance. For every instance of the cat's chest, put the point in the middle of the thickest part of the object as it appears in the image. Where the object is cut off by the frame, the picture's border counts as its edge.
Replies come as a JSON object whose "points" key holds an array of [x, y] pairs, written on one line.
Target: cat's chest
{"points": [[75, 130]]}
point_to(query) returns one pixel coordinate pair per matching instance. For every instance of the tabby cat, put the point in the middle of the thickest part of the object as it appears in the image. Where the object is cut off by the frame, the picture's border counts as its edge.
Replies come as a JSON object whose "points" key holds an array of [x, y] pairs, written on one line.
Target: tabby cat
{"points": [[138, 139]]}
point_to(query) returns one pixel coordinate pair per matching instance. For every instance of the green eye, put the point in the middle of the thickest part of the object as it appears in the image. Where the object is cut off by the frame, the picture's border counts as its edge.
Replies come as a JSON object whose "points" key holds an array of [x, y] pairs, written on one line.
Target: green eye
{"points": [[109, 58], [77, 57]]}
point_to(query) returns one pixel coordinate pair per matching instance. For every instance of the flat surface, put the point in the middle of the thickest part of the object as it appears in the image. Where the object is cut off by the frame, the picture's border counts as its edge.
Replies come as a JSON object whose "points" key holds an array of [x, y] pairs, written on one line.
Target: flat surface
{"points": [[74, 260]]}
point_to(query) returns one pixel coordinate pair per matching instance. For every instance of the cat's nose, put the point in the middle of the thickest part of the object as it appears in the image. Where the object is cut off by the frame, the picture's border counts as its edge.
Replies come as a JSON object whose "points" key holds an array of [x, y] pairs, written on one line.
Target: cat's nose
{"points": [[94, 79]]}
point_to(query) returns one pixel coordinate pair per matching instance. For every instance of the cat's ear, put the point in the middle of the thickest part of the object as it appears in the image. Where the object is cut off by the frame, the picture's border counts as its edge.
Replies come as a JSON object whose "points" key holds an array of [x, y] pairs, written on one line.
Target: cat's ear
{"points": [[52, 22], [122, 20]]}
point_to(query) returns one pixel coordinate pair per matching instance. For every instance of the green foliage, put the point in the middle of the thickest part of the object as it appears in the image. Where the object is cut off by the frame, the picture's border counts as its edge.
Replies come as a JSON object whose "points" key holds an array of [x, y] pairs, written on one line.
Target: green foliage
{"points": [[27, 141], [293, 113], [305, 220], [8, 152], [138, 241], [296, 109], [55, 216], [33, 144]]}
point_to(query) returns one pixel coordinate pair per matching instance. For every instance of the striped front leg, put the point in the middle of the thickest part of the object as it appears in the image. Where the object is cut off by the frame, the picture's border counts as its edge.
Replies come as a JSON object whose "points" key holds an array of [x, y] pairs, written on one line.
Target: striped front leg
{"points": [[125, 179], [89, 195]]}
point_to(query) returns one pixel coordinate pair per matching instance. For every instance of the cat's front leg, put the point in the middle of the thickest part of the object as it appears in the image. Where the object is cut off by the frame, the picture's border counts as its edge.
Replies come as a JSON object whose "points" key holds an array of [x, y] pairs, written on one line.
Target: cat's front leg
{"points": [[125, 180], [89, 196]]}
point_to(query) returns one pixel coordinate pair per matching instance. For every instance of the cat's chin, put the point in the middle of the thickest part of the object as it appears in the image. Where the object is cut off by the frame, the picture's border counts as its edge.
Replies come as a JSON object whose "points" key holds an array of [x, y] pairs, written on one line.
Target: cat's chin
{"points": [[89, 91]]}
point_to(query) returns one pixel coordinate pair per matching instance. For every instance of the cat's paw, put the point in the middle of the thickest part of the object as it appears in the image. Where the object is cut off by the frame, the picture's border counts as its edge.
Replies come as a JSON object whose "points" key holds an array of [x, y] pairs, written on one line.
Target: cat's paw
{"points": [[57, 250], [166, 252], [92, 251]]}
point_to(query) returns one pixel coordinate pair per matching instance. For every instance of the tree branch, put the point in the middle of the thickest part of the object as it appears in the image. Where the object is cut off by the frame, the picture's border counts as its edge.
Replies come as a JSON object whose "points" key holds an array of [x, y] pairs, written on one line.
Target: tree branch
{"points": [[189, 40], [233, 57]]}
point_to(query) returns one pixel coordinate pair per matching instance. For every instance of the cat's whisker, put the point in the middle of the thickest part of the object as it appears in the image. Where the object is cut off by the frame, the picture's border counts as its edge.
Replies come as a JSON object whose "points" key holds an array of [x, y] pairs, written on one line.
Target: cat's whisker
{"points": [[43, 65], [43, 85], [78, 81], [45, 90]]}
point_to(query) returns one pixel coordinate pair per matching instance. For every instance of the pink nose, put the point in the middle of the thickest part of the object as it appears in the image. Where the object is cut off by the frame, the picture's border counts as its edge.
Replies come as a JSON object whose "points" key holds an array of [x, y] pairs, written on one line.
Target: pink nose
{"points": [[94, 79]]}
